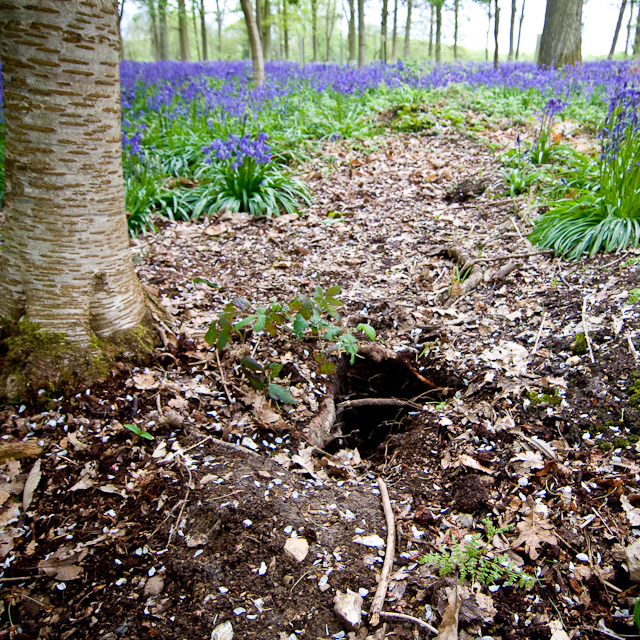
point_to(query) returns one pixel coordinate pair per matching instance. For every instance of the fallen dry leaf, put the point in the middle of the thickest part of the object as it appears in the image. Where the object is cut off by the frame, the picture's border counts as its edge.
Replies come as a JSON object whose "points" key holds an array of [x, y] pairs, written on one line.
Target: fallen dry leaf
{"points": [[535, 530], [30, 485], [449, 626]]}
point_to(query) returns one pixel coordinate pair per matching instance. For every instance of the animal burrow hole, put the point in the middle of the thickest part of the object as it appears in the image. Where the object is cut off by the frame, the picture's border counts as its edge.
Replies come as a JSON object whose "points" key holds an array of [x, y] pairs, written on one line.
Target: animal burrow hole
{"points": [[381, 396]]}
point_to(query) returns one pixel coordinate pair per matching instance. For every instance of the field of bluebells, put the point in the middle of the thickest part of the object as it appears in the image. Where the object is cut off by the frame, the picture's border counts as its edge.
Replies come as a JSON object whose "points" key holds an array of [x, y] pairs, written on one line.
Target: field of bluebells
{"points": [[197, 136]]}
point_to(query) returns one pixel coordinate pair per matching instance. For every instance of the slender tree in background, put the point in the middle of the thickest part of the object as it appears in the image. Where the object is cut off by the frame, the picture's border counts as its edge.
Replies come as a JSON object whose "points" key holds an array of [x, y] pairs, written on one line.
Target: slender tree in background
{"points": [[314, 29], [438, 4], [162, 28], [155, 36], [285, 28], [456, 12], [120, 12], [406, 49], [254, 42], [329, 25], [623, 6], [512, 28], [383, 30], [432, 19], [362, 35], [221, 7], [496, 28], [195, 28], [490, 17], [561, 41], [351, 19], [394, 37], [520, 29], [183, 29], [631, 10], [65, 261], [203, 30], [265, 34], [636, 43]]}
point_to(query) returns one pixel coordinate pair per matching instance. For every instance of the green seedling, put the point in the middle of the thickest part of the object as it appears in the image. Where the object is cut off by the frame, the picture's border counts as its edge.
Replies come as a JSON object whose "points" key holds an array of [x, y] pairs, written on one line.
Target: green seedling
{"points": [[138, 431]]}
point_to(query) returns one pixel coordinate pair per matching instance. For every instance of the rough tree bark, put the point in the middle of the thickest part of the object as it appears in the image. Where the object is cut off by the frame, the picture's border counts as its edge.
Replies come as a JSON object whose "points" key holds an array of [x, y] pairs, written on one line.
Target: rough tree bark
{"points": [[65, 264], [362, 36], [254, 42], [183, 29], [623, 7], [512, 28], [383, 30], [406, 50], [520, 29], [561, 41]]}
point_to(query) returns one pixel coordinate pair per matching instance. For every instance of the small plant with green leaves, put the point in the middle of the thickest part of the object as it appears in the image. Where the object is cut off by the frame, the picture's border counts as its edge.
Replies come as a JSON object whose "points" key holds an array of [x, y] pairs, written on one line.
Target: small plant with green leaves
{"points": [[305, 317], [634, 296], [139, 431], [473, 559]]}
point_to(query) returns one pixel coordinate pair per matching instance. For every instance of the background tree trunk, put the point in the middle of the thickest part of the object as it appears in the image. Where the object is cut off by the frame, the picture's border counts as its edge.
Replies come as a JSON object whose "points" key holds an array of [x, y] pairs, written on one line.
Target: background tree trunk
{"points": [[285, 29], [520, 29], [561, 41], [195, 28], [456, 11], [406, 50], [362, 35], [155, 36], [314, 29], [353, 54], [394, 37], [496, 28], [512, 27], [628, 41], [254, 42], [120, 43], [183, 28], [438, 32], [203, 31], [330, 23], [164, 37], [219, 18], [383, 30], [267, 45], [65, 263], [489, 16], [623, 6], [636, 43], [431, 23]]}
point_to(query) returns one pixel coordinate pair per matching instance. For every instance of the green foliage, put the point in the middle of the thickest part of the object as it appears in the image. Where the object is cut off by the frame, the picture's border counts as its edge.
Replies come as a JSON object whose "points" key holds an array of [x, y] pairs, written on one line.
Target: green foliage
{"points": [[634, 296], [140, 432], [305, 317], [472, 559]]}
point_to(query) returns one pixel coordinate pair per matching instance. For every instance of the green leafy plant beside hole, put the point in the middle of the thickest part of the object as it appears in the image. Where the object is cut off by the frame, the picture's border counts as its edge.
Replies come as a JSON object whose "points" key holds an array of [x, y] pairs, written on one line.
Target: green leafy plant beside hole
{"points": [[141, 433], [473, 559]]}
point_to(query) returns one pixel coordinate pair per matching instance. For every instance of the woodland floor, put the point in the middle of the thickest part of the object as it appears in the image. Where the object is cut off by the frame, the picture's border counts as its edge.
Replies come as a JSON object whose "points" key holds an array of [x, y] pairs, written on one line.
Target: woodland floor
{"points": [[169, 538]]}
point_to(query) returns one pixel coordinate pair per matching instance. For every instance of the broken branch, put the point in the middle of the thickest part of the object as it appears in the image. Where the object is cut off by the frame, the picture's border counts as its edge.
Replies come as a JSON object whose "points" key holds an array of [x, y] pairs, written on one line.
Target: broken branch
{"points": [[404, 616], [381, 591]]}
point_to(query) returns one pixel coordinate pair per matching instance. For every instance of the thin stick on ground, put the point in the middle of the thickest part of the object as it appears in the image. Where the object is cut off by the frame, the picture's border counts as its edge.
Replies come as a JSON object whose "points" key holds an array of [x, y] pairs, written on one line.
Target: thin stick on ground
{"points": [[222, 379], [184, 502], [404, 616], [377, 402], [535, 346], [585, 328], [381, 591]]}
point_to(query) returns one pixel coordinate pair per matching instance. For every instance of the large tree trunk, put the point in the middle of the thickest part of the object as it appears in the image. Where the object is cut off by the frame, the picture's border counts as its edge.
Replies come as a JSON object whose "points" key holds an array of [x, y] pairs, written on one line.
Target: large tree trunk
{"points": [[520, 29], [314, 29], [383, 30], [512, 28], [183, 28], [203, 31], [362, 36], [394, 37], [438, 32], [254, 42], [561, 41], [496, 28], [353, 54], [164, 36], [406, 50], [65, 263], [456, 10], [266, 31], [623, 6]]}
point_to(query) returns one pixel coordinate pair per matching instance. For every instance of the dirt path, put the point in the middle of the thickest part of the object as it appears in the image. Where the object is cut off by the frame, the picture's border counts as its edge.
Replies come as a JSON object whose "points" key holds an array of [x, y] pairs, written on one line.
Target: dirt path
{"points": [[173, 537]]}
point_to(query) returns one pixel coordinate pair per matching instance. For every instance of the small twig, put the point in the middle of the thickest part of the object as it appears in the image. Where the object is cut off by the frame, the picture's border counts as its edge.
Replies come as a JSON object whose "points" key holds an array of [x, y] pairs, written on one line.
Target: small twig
{"points": [[632, 348], [464, 295], [381, 591], [22, 579], [222, 379], [235, 447], [159, 404], [227, 495], [184, 501], [585, 328], [377, 402], [197, 444], [603, 521], [535, 347], [571, 287], [404, 616], [517, 228], [304, 575]]}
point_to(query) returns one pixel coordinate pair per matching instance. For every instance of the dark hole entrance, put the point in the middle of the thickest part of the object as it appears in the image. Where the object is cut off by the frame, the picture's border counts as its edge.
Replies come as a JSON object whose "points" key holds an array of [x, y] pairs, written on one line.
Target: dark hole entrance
{"points": [[377, 398]]}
